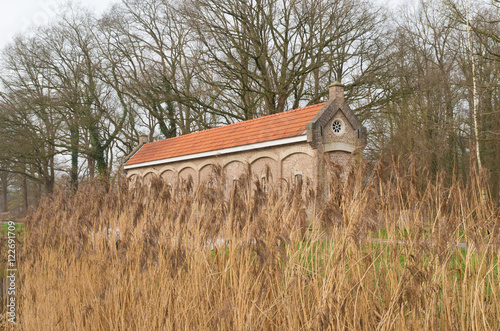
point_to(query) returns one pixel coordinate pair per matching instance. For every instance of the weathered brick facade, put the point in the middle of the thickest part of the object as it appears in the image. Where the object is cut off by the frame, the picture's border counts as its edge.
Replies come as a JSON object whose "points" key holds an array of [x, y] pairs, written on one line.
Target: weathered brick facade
{"points": [[290, 160]]}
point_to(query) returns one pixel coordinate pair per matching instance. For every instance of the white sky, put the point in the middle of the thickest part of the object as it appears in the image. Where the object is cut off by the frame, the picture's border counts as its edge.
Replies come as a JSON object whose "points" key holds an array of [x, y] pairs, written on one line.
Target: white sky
{"points": [[17, 15]]}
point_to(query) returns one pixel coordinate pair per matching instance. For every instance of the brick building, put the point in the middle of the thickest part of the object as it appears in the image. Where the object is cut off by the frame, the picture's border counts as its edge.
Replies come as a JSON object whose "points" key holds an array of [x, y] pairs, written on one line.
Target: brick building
{"points": [[288, 145]]}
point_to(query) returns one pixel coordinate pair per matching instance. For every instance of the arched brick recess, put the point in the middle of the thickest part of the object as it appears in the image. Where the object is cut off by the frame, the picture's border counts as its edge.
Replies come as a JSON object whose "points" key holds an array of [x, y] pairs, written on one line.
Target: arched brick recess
{"points": [[166, 168], [298, 163], [205, 171], [259, 155], [148, 176], [234, 169], [132, 181], [169, 175], [259, 168], [297, 149], [187, 165], [150, 173], [209, 161], [135, 173], [187, 171]]}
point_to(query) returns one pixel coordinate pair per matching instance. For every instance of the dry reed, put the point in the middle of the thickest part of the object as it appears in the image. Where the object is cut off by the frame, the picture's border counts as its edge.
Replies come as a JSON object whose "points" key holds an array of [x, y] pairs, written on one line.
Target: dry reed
{"points": [[158, 258]]}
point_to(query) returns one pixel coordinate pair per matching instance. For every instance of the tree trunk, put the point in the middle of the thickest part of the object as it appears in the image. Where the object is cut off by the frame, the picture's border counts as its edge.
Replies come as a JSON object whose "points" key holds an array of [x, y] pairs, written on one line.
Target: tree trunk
{"points": [[51, 170], [37, 195], [75, 137], [474, 93], [24, 191], [5, 185], [91, 165]]}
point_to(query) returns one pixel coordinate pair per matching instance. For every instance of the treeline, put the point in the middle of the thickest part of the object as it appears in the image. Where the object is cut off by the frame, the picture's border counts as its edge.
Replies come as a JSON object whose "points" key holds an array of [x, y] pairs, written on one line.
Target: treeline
{"points": [[77, 93]]}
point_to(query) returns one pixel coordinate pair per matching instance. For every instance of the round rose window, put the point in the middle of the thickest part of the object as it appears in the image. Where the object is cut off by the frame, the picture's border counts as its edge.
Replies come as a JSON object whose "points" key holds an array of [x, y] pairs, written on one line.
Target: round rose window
{"points": [[337, 127]]}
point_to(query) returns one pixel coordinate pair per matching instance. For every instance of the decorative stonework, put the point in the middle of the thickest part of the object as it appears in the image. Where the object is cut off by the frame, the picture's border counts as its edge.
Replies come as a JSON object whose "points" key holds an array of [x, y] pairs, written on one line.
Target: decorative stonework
{"points": [[338, 127]]}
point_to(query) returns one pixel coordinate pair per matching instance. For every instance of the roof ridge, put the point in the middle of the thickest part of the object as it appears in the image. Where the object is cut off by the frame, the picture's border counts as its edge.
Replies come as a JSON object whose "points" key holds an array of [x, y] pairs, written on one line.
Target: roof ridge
{"points": [[246, 121]]}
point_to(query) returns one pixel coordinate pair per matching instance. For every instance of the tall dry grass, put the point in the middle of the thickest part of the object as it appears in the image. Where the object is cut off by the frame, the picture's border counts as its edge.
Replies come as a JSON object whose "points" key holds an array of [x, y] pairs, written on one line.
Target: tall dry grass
{"points": [[207, 261]]}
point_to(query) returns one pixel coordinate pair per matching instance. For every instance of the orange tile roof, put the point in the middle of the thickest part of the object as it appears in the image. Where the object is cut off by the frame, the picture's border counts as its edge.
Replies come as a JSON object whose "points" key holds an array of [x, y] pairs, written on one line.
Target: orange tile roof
{"points": [[277, 126]]}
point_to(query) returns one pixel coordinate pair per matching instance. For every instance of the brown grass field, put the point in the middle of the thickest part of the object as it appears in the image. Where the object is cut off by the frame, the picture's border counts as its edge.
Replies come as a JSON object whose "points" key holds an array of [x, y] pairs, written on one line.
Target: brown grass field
{"points": [[162, 270]]}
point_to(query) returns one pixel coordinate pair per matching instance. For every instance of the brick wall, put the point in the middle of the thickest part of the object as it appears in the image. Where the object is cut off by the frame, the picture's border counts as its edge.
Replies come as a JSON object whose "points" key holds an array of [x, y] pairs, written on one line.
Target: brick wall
{"points": [[281, 163]]}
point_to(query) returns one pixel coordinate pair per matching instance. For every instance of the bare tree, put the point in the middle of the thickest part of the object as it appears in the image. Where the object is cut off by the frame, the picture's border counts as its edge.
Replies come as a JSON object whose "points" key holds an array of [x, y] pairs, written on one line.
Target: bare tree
{"points": [[262, 53]]}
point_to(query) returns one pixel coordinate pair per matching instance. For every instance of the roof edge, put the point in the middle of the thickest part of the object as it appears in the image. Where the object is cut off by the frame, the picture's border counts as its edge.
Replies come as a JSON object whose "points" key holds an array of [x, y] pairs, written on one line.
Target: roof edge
{"points": [[241, 148], [134, 151]]}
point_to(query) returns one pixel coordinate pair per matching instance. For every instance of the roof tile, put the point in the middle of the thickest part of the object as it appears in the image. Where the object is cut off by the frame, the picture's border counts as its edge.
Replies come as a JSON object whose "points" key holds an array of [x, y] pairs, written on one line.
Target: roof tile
{"points": [[277, 126]]}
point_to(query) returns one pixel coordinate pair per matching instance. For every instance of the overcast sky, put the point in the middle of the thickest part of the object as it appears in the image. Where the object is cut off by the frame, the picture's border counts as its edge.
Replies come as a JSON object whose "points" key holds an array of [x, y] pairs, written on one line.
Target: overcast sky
{"points": [[17, 15]]}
